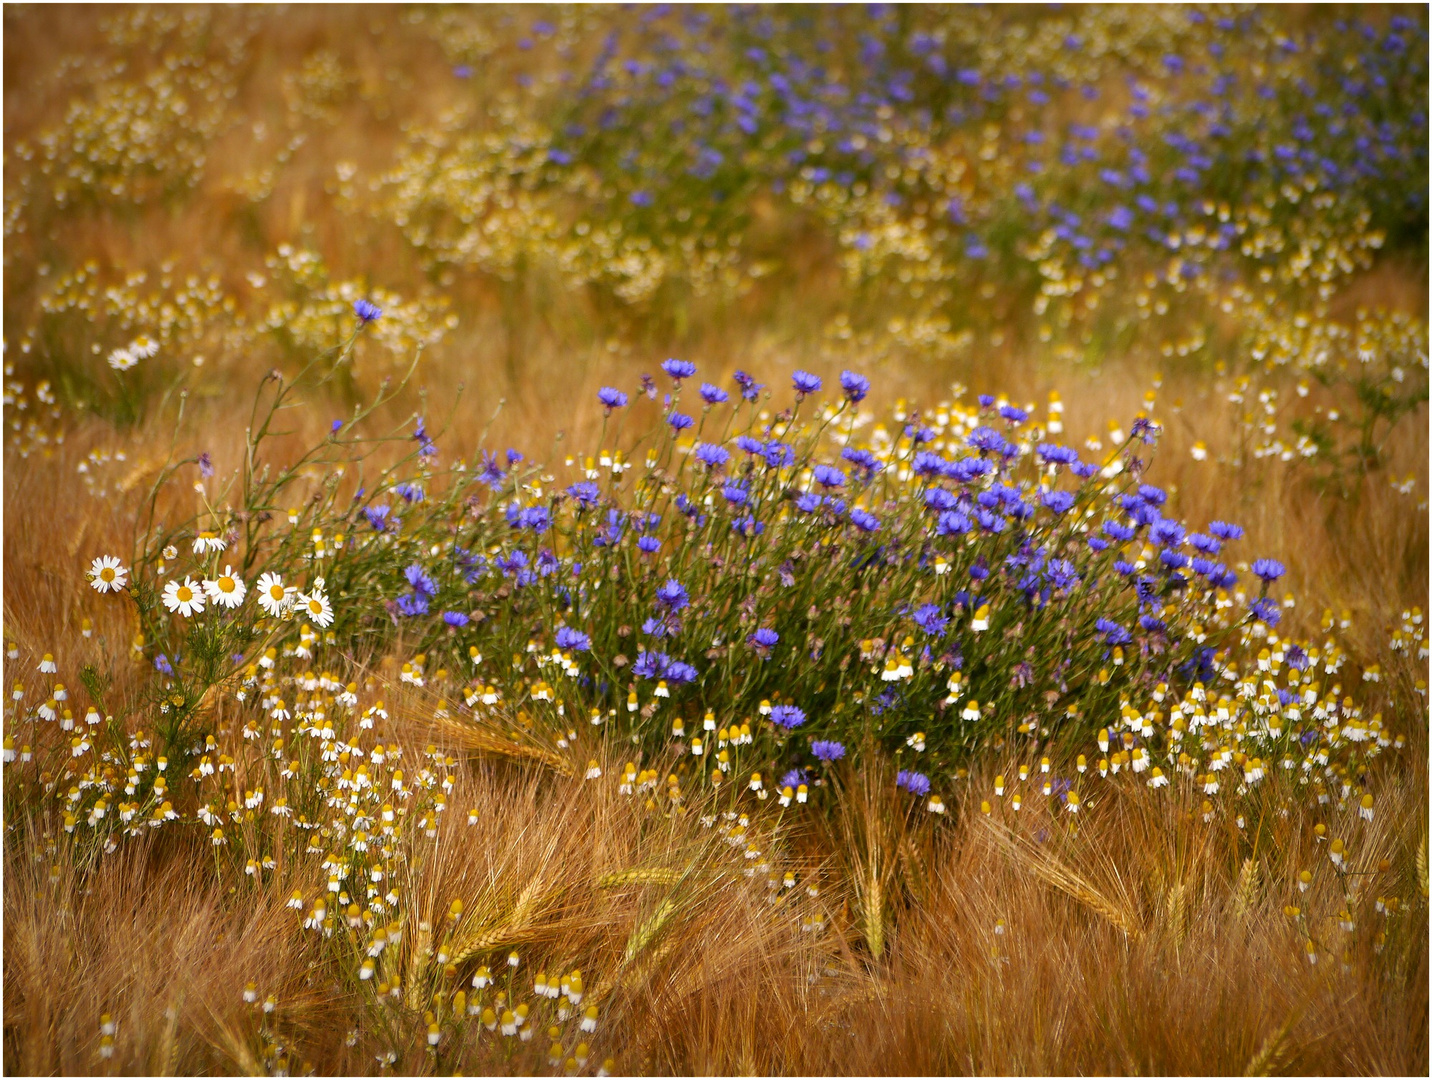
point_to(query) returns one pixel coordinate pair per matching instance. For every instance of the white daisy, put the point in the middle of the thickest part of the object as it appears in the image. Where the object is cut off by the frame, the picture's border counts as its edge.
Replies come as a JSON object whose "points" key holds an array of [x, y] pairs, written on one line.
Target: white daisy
{"points": [[107, 575], [316, 606], [122, 359], [274, 596], [144, 346], [227, 589], [185, 597], [208, 541]]}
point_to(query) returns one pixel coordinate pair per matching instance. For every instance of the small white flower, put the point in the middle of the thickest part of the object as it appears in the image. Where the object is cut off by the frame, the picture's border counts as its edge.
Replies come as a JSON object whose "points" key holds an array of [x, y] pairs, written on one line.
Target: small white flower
{"points": [[122, 359], [316, 606], [107, 575], [208, 541], [143, 347], [185, 597], [226, 589], [274, 596]]}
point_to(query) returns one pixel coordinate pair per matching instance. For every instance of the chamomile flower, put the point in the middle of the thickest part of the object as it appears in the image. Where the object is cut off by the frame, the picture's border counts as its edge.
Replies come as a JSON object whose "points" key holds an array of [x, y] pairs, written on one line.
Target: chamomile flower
{"points": [[107, 575], [208, 541], [186, 597], [274, 595], [316, 606], [226, 589]]}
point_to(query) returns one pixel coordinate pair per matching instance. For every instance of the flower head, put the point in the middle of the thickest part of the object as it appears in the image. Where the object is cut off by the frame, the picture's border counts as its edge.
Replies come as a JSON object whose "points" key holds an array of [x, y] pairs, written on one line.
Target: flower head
{"points": [[787, 716], [107, 575], [367, 311], [827, 750], [186, 597], [1269, 570], [611, 397], [855, 386], [915, 783], [678, 369], [227, 589], [805, 383]]}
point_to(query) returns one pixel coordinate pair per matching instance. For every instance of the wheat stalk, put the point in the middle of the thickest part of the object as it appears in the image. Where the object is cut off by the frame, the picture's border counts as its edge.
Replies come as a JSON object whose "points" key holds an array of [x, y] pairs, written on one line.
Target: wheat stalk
{"points": [[1422, 865], [476, 740], [1245, 895], [639, 875], [1270, 1055], [1051, 871]]}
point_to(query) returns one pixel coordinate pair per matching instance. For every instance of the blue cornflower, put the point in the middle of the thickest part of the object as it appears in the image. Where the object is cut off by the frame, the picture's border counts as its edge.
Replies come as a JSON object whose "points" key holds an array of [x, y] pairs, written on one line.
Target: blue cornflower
{"points": [[1270, 570], [1057, 501], [650, 665], [1150, 624], [764, 638], [679, 421], [420, 580], [367, 311], [938, 499], [585, 493], [1166, 532], [805, 383], [734, 494], [567, 638], [828, 476], [611, 397], [206, 465], [1112, 632], [411, 493], [1224, 531], [455, 618], [377, 516], [929, 619], [678, 671], [1013, 414], [412, 605], [1266, 611], [952, 523], [1098, 543], [648, 545], [678, 369], [162, 665], [808, 502], [1174, 560], [777, 454], [491, 473], [712, 394], [827, 750], [750, 388], [1054, 454], [711, 455], [855, 386], [1206, 544], [793, 779], [864, 520], [657, 628], [1152, 495], [863, 459], [987, 440], [927, 463], [915, 783], [536, 518], [787, 716], [748, 444], [672, 596]]}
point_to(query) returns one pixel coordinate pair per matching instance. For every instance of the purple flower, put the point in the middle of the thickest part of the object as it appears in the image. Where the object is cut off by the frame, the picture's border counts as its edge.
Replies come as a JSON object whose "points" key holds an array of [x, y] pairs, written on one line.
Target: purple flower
{"points": [[808, 502], [1112, 632], [585, 493], [713, 395], [678, 369], [750, 388], [827, 750], [412, 605], [206, 466], [672, 596], [678, 671], [1057, 501], [787, 716], [914, 782], [650, 665], [764, 638], [367, 311], [1270, 570], [1053, 454], [793, 779], [1224, 531], [711, 455], [411, 493], [855, 387], [648, 545], [679, 421], [378, 516], [455, 618], [805, 383], [928, 618], [611, 397], [828, 476], [1266, 611], [575, 640], [864, 520], [421, 582]]}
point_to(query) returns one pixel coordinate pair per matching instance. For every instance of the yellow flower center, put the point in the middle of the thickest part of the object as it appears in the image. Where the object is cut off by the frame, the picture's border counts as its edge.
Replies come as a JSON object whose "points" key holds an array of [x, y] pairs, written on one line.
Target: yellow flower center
{"points": [[315, 607], [276, 592], [107, 574], [226, 584], [185, 594]]}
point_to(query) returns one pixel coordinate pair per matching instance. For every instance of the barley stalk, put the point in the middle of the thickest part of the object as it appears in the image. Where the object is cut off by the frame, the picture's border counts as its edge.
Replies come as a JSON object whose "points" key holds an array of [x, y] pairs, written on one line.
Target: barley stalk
{"points": [[639, 875], [1245, 895], [642, 935], [1271, 1054], [1422, 865]]}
